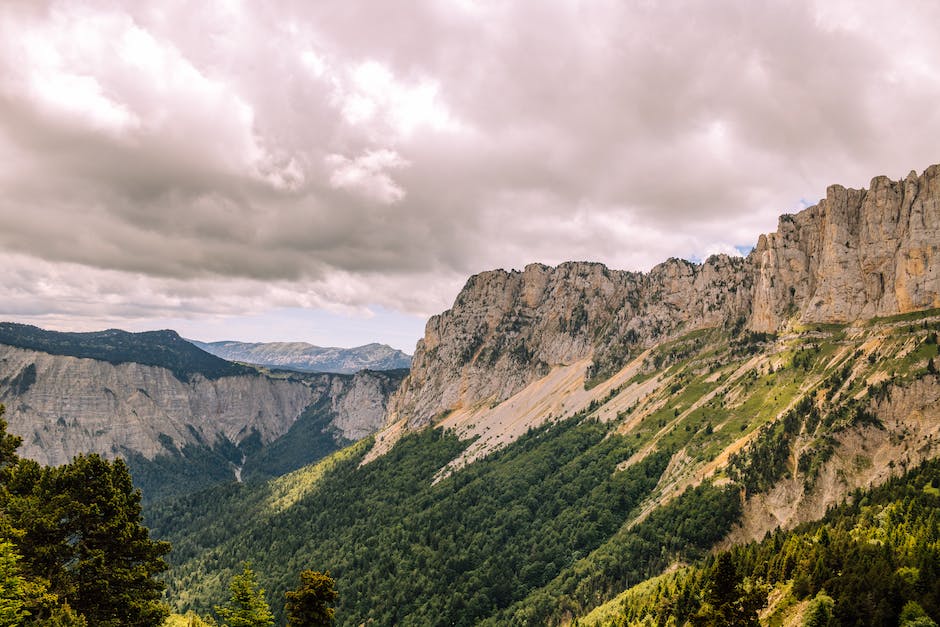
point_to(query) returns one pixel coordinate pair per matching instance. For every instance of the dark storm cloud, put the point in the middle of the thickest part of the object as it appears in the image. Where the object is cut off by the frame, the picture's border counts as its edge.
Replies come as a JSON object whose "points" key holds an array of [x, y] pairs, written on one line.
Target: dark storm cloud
{"points": [[228, 156]]}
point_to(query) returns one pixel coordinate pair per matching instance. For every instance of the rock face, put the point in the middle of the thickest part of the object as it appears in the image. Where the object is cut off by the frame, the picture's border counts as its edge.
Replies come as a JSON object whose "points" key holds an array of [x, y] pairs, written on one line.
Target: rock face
{"points": [[359, 402], [63, 405], [305, 357], [508, 328], [857, 254]]}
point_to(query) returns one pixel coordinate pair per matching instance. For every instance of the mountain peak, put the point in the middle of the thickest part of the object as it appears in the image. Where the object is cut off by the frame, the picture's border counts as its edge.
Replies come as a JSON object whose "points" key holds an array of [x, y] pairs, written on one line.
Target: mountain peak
{"points": [[854, 255]]}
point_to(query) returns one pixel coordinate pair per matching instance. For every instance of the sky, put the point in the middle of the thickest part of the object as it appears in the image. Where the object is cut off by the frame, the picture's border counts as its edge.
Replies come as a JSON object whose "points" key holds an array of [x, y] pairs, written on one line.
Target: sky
{"points": [[334, 171]]}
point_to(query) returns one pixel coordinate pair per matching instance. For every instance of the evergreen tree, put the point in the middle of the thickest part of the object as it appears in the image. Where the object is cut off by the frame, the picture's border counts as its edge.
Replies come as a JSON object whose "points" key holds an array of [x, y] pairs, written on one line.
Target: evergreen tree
{"points": [[12, 587], [819, 611], [729, 598], [78, 535], [913, 615], [82, 532], [310, 604], [247, 606]]}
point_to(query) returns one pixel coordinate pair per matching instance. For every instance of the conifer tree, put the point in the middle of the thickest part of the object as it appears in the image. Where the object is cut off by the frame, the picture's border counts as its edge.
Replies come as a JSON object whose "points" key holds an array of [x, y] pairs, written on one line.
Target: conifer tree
{"points": [[78, 534], [310, 604], [247, 606], [12, 586]]}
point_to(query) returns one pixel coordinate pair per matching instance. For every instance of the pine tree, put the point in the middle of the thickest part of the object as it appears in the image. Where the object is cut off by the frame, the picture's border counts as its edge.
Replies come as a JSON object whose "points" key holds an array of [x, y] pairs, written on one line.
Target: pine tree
{"points": [[81, 531], [12, 586], [247, 606], [77, 531], [309, 605], [819, 612]]}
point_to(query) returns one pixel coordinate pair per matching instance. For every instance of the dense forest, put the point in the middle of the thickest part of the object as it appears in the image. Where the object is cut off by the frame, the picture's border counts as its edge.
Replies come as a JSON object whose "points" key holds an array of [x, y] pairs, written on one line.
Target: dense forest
{"points": [[407, 550], [165, 349], [874, 560]]}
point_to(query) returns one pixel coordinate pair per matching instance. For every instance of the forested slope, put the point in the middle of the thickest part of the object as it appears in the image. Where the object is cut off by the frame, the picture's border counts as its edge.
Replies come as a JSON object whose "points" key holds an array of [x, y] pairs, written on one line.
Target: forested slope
{"points": [[547, 527]]}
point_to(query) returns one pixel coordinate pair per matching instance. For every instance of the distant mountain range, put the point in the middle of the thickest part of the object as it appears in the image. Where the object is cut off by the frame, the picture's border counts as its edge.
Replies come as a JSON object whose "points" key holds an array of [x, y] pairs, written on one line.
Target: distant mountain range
{"points": [[305, 357]]}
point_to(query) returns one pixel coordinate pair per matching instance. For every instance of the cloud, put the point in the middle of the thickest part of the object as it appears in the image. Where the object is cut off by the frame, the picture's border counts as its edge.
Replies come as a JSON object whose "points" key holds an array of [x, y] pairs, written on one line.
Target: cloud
{"points": [[367, 174], [223, 157]]}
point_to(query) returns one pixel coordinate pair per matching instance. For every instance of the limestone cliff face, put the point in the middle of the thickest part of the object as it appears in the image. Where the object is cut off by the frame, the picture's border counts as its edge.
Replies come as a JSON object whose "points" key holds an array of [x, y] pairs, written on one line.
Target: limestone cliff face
{"points": [[857, 254], [507, 329], [63, 406], [359, 402]]}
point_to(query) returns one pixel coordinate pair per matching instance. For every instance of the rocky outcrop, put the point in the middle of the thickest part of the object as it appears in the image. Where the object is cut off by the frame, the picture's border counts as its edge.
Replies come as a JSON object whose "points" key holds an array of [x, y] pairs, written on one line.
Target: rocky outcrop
{"points": [[63, 405], [507, 329], [359, 402], [855, 255]]}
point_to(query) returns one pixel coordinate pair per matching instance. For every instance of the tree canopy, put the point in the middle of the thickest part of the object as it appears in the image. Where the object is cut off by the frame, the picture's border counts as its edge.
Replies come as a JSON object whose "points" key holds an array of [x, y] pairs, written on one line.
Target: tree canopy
{"points": [[76, 539], [310, 605]]}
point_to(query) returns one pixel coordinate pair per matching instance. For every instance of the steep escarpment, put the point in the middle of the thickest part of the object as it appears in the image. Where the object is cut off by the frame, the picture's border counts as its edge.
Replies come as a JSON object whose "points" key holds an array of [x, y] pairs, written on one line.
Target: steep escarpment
{"points": [[76, 405], [170, 426], [855, 255], [507, 329]]}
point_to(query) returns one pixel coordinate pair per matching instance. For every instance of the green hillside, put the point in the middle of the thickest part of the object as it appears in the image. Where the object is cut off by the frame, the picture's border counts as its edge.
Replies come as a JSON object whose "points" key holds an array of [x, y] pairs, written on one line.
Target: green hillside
{"points": [[565, 518], [868, 562]]}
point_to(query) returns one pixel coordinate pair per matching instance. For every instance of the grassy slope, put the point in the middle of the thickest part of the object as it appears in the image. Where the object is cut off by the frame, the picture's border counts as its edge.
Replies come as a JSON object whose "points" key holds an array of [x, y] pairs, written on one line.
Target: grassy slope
{"points": [[537, 532]]}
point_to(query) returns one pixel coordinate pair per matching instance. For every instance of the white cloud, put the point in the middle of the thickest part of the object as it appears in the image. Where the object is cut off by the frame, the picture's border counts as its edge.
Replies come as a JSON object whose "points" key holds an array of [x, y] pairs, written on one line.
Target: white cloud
{"points": [[368, 174], [373, 94]]}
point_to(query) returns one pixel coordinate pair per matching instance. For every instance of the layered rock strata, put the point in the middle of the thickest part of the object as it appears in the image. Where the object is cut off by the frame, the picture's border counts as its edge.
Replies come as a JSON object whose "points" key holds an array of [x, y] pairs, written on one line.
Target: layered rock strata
{"points": [[62, 405]]}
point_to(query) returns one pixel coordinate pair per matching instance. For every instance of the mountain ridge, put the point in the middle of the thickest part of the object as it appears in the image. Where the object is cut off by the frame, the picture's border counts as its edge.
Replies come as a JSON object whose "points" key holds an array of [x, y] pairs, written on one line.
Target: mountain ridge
{"points": [[566, 433], [180, 416], [305, 357], [163, 348], [856, 254]]}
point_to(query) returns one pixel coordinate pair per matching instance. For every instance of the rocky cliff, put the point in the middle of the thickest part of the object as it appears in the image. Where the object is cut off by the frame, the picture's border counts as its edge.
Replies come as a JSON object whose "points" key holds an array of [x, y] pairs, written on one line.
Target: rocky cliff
{"points": [[63, 405], [856, 254]]}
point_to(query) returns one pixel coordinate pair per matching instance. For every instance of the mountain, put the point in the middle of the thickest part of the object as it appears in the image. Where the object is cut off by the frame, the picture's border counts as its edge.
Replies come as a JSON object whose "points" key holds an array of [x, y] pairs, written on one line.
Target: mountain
{"points": [[565, 434], [182, 417], [165, 349], [304, 357], [855, 255]]}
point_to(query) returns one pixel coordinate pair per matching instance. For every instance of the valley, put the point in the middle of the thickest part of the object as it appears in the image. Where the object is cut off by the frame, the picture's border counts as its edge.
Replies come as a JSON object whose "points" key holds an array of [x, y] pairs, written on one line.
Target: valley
{"points": [[582, 499], [572, 444]]}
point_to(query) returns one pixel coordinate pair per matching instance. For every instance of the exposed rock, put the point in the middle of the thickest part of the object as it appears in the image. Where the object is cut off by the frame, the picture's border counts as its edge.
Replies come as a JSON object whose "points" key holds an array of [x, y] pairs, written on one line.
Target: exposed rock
{"points": [[508, 329], [910, 434], [63, 406], [359, 403], [855, 255]]}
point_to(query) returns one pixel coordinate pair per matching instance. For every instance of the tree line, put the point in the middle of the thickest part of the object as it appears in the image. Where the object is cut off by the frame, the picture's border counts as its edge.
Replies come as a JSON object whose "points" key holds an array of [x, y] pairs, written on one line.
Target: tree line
{"points": [[74, 552]]}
